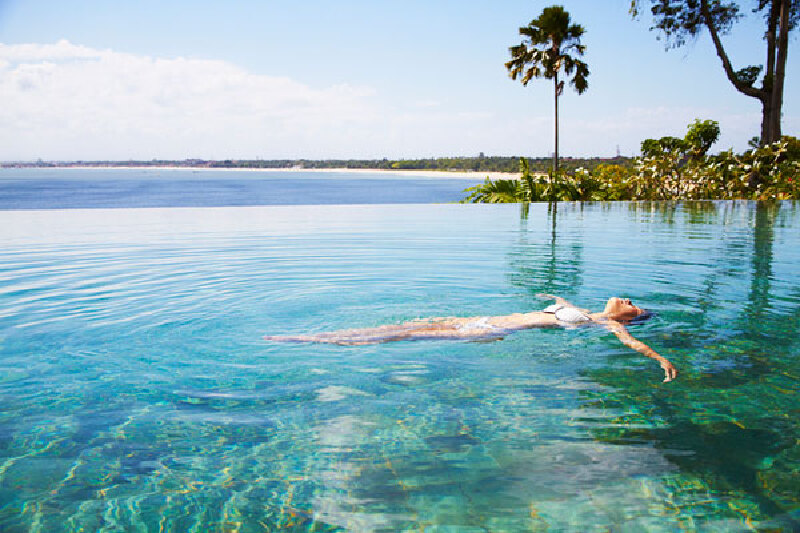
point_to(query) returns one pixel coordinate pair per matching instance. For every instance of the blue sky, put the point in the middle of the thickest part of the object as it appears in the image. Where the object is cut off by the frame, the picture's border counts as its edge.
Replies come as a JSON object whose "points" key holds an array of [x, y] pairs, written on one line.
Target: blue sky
{"points": [[108, 79]]}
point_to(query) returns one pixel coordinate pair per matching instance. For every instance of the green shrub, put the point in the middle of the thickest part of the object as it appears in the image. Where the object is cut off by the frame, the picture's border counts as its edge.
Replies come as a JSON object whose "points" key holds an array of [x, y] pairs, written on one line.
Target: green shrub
{"points": [[669, 169]]}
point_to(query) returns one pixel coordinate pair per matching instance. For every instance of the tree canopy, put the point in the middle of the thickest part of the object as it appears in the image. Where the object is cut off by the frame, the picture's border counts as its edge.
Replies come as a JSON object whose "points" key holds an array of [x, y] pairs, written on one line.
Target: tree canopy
{"points": [[683, 20]]}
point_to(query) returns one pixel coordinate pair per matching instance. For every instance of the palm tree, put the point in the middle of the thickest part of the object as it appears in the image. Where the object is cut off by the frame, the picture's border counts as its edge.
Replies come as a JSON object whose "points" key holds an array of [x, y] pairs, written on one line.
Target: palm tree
{"points": [[494, 192], [545, 51]]}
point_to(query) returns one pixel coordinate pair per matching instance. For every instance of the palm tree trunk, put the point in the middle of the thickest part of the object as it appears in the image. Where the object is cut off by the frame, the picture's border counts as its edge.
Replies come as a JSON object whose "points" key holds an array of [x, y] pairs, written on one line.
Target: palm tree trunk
{"points": [[555, 153]]}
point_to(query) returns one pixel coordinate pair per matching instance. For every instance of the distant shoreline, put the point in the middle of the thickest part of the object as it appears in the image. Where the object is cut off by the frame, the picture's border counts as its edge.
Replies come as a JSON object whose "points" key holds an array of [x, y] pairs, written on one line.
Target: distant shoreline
{"points": [[444, 174]]}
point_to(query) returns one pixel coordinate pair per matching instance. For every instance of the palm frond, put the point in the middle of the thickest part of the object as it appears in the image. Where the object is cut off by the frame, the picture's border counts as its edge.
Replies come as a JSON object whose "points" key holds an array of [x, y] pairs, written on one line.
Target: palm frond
{"points": [[549, 40]]}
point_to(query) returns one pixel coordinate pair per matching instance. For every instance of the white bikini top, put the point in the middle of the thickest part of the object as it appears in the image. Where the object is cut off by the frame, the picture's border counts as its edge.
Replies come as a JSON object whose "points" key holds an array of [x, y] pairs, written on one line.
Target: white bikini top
{"points": [[567, 315]]}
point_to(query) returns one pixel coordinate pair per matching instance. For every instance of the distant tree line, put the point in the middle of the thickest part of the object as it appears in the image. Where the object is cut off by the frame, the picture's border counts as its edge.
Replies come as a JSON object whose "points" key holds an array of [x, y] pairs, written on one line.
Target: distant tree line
{"points": [[475, 164]]}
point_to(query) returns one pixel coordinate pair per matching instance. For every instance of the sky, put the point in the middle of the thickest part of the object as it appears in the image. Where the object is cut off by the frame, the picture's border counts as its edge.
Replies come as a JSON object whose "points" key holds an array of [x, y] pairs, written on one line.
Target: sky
{"points": [[360, 79]]}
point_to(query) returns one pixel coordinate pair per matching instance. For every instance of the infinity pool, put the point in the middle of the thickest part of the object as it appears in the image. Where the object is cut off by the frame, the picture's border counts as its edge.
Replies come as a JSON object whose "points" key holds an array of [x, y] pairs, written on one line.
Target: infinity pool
{"points": [[136, 393]]}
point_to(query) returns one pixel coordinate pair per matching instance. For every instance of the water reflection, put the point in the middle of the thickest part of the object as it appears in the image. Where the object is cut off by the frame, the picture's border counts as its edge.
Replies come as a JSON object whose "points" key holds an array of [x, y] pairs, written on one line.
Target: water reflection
{"points": [[730, 421], [668, 213], [542, 260]]}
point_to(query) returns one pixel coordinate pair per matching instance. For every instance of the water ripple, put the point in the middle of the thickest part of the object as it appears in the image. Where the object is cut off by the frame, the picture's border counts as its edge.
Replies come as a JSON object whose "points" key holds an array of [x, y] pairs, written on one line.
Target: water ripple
{"points": [[135, 392]]}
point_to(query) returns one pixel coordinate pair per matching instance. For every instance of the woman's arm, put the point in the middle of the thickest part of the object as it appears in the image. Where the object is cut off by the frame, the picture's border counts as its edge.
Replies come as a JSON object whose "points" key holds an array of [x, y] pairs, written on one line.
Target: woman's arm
{"points": [[561, 301], [670, 372]]}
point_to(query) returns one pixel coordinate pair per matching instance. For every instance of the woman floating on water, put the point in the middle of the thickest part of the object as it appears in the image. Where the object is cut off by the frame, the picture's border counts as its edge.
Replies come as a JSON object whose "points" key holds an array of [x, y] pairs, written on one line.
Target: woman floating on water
{"points": [[617, 313]]}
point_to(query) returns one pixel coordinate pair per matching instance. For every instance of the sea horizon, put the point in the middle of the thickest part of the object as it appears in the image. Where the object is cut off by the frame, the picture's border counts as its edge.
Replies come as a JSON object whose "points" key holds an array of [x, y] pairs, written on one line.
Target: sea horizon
{"points": [[113, 187]]}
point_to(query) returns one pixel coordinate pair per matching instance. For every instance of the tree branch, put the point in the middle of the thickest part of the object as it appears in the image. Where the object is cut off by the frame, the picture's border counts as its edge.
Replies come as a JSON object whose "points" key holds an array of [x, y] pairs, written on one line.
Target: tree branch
{"points": [[726, 63]]}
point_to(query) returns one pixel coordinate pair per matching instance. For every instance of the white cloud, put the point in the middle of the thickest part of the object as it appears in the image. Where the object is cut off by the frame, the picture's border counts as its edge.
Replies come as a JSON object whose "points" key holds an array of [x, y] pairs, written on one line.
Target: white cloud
{"points": [[73, 102], [427, 104], [66, 101], [69, 102]]}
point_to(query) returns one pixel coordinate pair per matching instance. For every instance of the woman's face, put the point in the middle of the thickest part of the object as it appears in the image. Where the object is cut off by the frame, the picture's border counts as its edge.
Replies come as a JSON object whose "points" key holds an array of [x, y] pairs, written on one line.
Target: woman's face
{"points": [[622, 309]]}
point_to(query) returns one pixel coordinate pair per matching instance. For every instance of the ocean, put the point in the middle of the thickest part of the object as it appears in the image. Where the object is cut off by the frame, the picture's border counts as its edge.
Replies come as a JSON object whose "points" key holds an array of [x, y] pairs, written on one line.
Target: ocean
{"points": [[74, 188]]}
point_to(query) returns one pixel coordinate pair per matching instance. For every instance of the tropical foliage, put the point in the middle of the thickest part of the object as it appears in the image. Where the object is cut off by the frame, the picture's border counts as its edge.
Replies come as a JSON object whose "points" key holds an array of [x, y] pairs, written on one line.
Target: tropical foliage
{"points": [[670, 168], [531, 187]]}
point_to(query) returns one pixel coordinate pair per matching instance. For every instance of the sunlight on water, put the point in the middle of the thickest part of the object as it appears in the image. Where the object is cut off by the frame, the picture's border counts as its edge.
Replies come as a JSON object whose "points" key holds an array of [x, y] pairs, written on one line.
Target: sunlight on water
{"points": [[137, 393]]}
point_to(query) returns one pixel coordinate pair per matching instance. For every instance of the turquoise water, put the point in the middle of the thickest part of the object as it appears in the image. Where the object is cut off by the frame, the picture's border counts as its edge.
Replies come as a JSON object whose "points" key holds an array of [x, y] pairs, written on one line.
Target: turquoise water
{"points": [[71, 188], [136, 393]]}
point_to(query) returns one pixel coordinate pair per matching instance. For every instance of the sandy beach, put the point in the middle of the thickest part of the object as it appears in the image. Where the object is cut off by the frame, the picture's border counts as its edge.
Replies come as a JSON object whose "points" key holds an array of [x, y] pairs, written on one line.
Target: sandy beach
{"points": [[443, 174]]}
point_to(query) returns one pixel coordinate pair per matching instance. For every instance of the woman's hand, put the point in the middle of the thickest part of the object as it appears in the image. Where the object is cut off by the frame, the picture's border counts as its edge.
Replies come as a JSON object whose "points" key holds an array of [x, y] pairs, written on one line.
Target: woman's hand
{"points": [[670, 372]]}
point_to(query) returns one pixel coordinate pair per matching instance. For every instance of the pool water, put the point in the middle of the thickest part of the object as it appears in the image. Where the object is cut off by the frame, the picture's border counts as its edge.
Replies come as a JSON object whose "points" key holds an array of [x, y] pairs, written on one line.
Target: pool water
{"points": [[136, 393]]}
